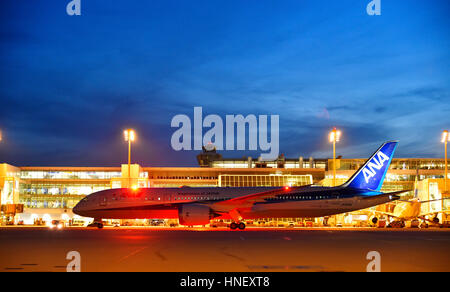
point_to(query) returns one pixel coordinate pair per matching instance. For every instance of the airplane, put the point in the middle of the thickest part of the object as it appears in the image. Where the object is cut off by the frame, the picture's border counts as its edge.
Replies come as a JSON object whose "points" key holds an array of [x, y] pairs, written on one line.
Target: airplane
{"points": [[197, 206], [407, 210], [411, 210]]}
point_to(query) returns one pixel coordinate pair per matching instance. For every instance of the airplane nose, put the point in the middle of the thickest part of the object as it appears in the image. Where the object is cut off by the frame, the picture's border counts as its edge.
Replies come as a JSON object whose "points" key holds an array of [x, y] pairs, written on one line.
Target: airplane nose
{"points": [[77, 209]]}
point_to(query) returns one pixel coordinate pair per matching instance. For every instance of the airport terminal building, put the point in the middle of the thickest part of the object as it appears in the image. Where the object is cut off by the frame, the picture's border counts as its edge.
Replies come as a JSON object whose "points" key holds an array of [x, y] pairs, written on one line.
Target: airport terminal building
{"points": [[32, 195]]}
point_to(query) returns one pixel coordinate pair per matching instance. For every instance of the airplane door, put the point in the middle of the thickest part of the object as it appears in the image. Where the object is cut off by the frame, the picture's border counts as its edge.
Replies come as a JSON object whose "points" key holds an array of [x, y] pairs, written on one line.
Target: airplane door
{"points": [[103, 201], [336, 201]]}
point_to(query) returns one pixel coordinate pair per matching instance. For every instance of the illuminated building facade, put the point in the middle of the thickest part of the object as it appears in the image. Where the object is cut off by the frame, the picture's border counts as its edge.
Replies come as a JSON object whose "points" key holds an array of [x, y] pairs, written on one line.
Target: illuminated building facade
{"points": [[52, 192]]}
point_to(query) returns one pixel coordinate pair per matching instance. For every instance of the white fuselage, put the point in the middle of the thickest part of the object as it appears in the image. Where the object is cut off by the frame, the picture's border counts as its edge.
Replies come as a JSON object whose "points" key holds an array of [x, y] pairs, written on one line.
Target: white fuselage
{"points": [[163, 203], [408, 210]]}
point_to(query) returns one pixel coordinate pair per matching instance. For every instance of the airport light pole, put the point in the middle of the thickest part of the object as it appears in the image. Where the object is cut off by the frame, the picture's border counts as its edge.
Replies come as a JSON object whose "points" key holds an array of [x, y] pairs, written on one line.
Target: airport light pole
{"points": [[445, 139], [129, 136], [335, 136]]}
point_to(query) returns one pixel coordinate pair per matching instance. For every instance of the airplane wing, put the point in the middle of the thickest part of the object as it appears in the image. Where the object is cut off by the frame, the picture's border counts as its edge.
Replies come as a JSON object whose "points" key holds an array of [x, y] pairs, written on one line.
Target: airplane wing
{"points": [[422, 217], [429, 201], [259, 197], [384, 213], [234, 206], [434, 200], [435, 213], [249, 200]]}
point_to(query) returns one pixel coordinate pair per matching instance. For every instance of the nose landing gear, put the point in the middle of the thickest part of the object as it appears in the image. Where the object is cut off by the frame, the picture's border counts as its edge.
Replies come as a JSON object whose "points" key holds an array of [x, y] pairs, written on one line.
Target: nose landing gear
{"points": [[96, 223]]}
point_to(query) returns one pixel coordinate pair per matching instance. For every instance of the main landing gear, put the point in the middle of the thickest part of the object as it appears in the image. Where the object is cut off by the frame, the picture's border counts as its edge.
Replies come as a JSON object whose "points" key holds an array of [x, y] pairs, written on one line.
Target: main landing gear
{"points": [[240, 225], [237, 220]]}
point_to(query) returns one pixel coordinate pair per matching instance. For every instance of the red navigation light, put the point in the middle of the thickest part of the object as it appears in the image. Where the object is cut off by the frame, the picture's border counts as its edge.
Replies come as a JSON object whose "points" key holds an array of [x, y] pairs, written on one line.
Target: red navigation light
{"points": [[286, 188]]}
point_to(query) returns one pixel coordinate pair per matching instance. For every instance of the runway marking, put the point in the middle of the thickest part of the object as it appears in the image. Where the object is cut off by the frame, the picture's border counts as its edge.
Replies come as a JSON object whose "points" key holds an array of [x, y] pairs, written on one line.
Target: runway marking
{"points": [[232, 255], [287, 238], [28, 264], [280, 267], [133, 253], [158, 253], [13, 269]]}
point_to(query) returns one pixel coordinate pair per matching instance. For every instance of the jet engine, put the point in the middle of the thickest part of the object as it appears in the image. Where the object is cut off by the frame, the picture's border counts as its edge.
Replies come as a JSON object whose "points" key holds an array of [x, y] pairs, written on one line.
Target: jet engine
{"points": [[194, 214], [374, 220]]}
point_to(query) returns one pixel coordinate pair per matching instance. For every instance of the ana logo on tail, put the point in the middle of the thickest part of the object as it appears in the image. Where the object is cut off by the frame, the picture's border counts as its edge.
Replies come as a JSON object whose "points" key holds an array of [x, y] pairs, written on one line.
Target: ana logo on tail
{"points": [[376, 164]]}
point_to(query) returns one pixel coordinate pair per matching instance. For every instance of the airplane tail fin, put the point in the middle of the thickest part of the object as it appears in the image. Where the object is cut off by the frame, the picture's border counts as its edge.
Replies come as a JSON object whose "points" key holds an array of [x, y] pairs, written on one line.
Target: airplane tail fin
{"points": [[371, 175]]}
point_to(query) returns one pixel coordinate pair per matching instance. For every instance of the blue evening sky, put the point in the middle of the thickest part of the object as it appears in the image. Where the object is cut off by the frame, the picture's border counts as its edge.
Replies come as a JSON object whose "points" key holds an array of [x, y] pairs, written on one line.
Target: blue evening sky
{"points": [[69, 85]]}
